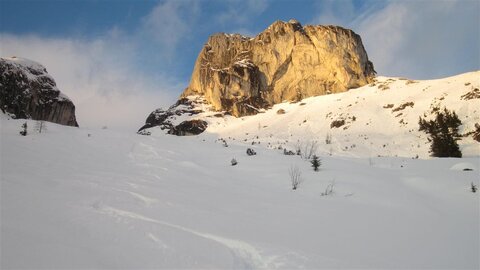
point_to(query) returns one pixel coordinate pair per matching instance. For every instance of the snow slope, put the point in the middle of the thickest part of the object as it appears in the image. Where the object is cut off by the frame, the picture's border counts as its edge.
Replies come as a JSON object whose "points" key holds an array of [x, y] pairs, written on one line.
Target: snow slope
{"points": [[75, 198], [380, 119]]}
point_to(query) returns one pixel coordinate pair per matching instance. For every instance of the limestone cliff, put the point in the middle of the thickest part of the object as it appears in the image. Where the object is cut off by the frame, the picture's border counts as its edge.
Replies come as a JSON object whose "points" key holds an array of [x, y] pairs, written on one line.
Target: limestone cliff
{"points": [[28, 91], [287, 61]]}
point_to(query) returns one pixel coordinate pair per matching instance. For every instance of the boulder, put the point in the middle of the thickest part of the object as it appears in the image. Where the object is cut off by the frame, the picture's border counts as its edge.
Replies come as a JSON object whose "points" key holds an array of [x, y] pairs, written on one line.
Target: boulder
{"points": [[27, 91]]}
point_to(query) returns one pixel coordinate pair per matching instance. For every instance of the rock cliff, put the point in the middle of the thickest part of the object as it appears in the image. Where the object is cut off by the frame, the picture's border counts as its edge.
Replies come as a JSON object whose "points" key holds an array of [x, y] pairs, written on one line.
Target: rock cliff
{"points": [[28, 91], [287, 61]]}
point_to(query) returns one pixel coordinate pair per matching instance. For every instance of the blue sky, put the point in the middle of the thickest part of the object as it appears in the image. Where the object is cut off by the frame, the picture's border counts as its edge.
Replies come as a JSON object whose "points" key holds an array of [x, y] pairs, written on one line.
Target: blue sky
{"points": [[118, 60]]}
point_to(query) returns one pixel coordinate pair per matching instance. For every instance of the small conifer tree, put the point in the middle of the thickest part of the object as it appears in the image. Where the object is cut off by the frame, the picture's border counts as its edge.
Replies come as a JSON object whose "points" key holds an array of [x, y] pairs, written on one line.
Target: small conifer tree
{"points": [[443, 133], [316, 162], [23, 132]]}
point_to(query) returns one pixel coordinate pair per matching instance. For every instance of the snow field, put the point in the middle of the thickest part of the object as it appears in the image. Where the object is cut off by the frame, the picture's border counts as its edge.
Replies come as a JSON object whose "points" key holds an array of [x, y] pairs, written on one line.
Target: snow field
{"points": [[121, 200]]}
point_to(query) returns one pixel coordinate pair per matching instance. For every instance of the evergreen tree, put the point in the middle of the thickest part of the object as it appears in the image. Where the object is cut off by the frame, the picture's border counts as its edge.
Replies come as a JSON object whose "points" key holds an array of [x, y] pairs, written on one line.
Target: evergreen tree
{"points": [[23, 132], [316, 162], [443, 133]]}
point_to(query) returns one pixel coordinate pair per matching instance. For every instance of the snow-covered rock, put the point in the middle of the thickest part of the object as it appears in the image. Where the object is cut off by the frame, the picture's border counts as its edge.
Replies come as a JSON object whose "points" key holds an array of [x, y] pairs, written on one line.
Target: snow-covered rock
{"points": [[172, 120], [28, 91]]}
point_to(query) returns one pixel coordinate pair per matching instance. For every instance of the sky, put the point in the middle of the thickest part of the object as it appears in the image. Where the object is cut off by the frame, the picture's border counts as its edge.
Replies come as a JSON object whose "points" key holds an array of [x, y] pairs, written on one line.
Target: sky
{"points": [[120, 60]]}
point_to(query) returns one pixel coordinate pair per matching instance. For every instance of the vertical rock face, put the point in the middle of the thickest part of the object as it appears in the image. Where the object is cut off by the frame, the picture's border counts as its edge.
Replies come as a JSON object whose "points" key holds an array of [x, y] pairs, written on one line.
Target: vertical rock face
{"points": [[285, 62], [28, 91]]}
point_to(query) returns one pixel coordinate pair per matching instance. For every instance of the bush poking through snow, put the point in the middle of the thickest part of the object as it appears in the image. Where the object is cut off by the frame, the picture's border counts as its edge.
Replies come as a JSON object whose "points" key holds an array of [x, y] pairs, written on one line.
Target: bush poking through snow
{"points": [[23, 132], [443, 133], [329, 189], [295, 177], [224, 142], [40, 126], [316, 163], [234, 162], [328, 138], [251, 152], [476, 132], [473, 187], [144, 132], [306, 149]]}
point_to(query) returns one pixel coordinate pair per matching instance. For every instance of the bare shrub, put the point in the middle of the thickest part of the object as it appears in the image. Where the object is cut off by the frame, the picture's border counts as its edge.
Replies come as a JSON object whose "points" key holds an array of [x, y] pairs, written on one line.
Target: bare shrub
{"points": [[329, 189], [328, 138], [295, 177], [306, 149], [310, 149], [40, 126]]}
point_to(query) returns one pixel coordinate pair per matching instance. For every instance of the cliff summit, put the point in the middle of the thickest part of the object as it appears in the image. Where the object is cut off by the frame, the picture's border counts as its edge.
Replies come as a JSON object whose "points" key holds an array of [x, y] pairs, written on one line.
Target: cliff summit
{"points": [[286, 62]]}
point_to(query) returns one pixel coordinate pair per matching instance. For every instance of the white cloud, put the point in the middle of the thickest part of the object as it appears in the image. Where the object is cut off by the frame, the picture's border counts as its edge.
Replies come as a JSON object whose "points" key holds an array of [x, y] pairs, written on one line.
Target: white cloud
{"points": [[100, 76], [334, 12], [170, 22], [416, 39], [240, 12]]}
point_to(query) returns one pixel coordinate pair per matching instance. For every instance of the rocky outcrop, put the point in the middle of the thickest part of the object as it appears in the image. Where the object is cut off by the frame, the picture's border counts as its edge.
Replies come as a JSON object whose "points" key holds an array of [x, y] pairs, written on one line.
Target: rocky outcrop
{"points": [[27, 91], [287, 61], [168, 119], [190, 127]]}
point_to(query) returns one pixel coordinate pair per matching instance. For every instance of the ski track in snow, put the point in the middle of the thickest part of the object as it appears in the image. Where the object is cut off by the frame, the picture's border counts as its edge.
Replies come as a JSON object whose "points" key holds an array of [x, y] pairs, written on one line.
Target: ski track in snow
{"points": [[248, 254], [146, 200]]}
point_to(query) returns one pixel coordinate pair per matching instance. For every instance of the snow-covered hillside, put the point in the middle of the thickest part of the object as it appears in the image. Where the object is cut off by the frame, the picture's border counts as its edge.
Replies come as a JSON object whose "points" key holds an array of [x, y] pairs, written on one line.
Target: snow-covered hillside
{"points": [[380, 119], [74, 198]]}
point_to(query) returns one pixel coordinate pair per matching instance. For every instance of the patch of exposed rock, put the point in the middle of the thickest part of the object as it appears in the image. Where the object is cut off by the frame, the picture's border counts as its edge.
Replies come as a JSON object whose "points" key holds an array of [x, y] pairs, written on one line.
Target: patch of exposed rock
{"points": [[27, 91], [168, 119], [190, 127], [287, 61]]}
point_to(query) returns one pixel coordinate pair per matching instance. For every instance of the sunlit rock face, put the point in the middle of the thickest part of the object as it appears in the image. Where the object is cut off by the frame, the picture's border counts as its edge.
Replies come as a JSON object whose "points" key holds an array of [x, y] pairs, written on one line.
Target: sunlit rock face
{"points": [[287, 61], [27, 91]]}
